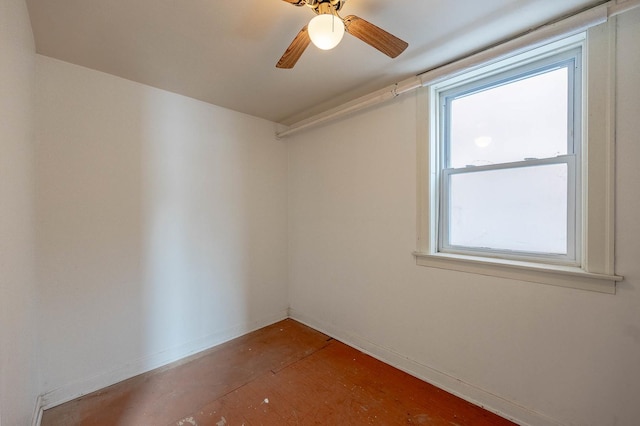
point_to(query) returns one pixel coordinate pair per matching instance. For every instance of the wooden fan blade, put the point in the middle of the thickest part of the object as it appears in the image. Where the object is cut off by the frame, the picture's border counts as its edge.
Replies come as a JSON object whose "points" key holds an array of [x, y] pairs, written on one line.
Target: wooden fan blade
{"points": [[374, 36], [296, 2], [295, 49]]}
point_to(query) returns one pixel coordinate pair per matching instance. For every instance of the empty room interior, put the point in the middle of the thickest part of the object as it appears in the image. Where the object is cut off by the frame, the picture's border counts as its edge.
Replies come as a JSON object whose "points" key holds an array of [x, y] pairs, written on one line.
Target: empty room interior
{"points": [[447, 192]]}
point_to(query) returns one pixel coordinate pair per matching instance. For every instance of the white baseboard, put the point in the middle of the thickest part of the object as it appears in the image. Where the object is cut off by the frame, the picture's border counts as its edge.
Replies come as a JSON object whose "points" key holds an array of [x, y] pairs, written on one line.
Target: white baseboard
{"points": [[79, 388], [37, 412], [466, 391]]}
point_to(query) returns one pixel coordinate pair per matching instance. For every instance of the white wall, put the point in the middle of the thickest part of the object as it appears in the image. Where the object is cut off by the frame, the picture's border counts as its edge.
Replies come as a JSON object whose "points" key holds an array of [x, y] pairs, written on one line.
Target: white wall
{"points": [[542, 354], [18, 372], [161, 227], [162, 230]]}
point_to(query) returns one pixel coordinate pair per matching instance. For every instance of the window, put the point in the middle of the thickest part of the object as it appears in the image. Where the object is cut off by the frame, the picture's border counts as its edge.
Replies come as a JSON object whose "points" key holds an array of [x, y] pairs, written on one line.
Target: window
{"points": [[509, 185], [509, 166]]}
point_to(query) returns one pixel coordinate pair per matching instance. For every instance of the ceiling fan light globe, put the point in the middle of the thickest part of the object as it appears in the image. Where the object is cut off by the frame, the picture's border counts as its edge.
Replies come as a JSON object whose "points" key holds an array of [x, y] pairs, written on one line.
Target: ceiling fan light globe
{"points": [[326, 31]]}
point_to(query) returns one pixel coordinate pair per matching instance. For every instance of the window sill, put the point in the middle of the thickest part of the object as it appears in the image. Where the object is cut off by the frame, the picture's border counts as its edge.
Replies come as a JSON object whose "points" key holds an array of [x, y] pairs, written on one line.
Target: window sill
{"points": [[563, 276]]}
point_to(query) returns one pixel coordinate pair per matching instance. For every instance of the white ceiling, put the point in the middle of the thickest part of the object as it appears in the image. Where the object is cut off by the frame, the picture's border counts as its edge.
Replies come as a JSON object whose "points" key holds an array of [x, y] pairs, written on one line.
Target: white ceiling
{"points": [[224, 52]]}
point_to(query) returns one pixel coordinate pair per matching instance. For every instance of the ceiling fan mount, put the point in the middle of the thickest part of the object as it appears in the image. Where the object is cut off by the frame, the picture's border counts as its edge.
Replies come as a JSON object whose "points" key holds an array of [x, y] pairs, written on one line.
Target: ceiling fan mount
{"points": [[315, 4], [374, 36], [318, 5]]}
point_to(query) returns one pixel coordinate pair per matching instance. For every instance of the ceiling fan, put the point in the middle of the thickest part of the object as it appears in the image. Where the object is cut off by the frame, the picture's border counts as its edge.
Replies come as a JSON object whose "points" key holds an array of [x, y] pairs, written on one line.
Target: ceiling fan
{"points": [[327, 28]]}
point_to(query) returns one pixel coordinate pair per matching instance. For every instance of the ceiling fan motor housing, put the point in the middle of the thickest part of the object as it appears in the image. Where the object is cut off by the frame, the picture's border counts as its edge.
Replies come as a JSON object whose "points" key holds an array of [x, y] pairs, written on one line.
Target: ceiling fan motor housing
{"points": [[336, 4]]}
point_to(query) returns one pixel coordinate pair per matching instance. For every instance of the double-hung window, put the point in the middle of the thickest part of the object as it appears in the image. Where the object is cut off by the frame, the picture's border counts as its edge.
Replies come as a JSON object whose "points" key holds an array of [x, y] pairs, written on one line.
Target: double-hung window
{"points": [[515, 166], [510, 165]]}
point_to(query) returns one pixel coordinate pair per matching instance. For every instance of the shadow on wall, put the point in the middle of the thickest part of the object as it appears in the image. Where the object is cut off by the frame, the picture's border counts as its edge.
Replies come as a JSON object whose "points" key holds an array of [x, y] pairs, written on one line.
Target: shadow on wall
{"points": [[195, 211]]}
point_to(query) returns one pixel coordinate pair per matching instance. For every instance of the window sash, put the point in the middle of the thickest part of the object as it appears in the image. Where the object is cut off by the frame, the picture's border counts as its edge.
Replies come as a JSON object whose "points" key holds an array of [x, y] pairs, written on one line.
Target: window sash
{"points": [[572, 60], [572, 255]]}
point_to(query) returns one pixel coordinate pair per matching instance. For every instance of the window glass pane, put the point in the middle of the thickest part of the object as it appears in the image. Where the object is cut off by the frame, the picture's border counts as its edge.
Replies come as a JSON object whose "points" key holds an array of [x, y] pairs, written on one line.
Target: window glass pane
{"points": [[521, 209], [511, 122]]}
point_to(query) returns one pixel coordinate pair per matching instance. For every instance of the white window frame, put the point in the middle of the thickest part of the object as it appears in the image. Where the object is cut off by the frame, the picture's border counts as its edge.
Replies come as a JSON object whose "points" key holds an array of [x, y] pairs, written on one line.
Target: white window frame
{"points": [[593, 268], [570, 58]]}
